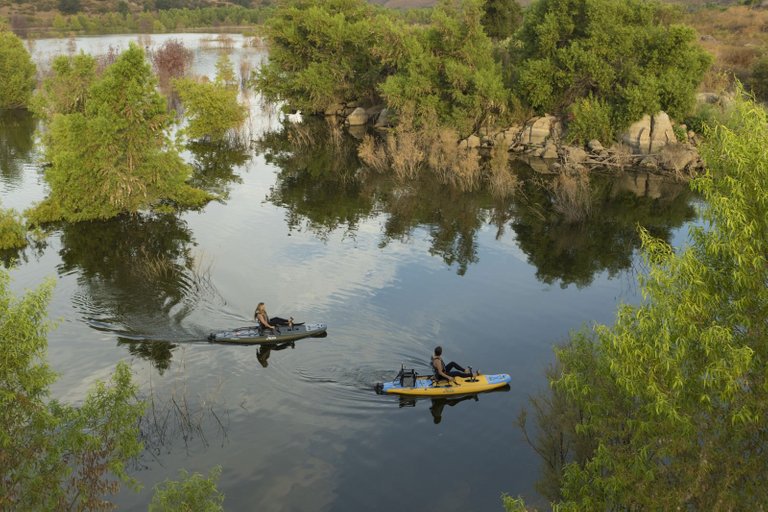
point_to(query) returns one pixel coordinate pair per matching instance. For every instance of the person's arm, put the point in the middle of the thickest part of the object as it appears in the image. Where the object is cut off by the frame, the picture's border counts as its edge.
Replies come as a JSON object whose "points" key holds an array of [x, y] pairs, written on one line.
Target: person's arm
{"points": [[441, 371], [264, 321]]}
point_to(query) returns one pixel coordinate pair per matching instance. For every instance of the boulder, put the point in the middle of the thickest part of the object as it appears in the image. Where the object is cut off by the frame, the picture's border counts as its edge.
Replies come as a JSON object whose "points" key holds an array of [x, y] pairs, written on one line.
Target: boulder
{"points": [[539, 130], [661, 132], [358, 117], [471, 142], [383, 120], [574, 155], [550, 150], [677, 157], [595, 146], [650, 134]]}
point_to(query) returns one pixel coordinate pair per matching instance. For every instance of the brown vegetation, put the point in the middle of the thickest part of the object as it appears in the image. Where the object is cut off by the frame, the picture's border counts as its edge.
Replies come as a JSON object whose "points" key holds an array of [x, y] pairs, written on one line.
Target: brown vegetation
{"points": [[172, 60]]}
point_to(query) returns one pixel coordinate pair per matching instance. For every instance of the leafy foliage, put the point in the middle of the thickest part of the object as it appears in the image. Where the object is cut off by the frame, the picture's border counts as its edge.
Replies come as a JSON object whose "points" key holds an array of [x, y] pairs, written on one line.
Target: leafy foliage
{"points": [[12, 230], [116, 155], [590, 118], [448, 72], [193, 493], [622, 53], [321, 54], [56, 456], [65, 89], [18, 72], [212, 109], [674, 394], [502, 18]]}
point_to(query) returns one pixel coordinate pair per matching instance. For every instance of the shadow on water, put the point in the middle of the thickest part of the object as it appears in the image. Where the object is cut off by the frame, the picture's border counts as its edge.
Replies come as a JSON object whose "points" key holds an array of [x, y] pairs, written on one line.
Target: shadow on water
{"points": [[437, 405], [571, 247], [570, 228], [17, 142], [214, 164], [138, 279]]}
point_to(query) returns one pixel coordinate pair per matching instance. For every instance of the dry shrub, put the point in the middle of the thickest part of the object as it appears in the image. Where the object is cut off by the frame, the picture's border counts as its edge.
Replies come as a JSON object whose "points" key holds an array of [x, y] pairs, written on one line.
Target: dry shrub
{"points": [[373, 154], [571, 195], [502, 182], [443, 153], [405, 150], [300, 135], [225, 41], [467, 171], [105, 60], [144, 40], [738, 57], [220, 42], [245, 73], [172, 60]]}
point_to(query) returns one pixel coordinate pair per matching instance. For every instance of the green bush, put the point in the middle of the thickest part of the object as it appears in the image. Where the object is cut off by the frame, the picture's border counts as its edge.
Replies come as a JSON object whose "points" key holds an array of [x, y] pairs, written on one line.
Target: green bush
{"points": [[590, 118], [193, 493], [116, 156], [621, 53], [17, 71], [12, 230]]}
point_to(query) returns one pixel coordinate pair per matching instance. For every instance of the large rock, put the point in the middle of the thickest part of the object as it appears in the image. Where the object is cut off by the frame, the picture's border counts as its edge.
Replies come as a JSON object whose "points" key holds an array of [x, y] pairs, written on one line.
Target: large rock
{"points": [[574, 155], [677, 157], [539, 130], [650, 134], [358, 117]]}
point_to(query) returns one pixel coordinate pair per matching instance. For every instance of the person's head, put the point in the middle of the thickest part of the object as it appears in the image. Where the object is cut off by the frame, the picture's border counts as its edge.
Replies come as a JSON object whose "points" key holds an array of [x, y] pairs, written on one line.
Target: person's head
{"points": [[438, 350], [260, 306]]}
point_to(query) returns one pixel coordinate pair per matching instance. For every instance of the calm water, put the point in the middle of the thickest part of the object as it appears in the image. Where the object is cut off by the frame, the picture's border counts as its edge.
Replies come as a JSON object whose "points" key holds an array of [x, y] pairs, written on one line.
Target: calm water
{"points": [[394, 269]]}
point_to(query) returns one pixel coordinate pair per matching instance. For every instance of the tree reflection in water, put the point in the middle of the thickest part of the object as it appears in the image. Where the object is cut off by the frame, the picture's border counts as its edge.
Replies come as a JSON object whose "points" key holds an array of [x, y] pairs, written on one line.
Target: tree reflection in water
{"points": [[17, 141], [214, 164], [571, 228], [136, 271]]}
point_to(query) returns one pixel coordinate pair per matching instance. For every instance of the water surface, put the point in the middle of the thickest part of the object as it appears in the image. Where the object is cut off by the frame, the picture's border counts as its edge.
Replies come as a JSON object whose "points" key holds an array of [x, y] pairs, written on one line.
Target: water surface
{"points": [[393, 269]]}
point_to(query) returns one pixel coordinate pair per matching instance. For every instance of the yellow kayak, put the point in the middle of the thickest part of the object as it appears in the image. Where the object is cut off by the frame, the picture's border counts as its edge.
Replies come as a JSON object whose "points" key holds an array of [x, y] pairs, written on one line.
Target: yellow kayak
{"points": [[416, 385]]}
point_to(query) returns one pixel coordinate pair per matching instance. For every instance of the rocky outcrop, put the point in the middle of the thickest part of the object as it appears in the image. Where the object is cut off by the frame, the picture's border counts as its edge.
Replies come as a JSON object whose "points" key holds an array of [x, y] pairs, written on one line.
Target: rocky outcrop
{"points": [[539, 130], [650, 134], [358, 117]]}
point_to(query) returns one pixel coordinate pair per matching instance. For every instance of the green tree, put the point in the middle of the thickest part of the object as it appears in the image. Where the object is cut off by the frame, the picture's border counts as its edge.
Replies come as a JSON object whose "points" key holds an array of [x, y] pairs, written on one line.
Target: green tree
{"points": [[674, 395], [621, 53], [225, 73], [502, 18], [69, 6], [116, 156], [320, 54], [448, 72], [12, 230], [212, 109], [65, 89], [56, 456], [193, 493], [18, 72]]}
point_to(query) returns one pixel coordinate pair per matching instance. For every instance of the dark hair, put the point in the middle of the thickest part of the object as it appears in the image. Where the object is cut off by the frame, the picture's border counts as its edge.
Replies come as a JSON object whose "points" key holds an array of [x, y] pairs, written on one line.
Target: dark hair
{"points": [[438, 350]]}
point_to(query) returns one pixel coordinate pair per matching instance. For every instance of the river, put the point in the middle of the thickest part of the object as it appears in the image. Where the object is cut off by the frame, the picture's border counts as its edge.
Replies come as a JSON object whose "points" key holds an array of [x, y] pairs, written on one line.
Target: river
{"points": [[394, 269]]}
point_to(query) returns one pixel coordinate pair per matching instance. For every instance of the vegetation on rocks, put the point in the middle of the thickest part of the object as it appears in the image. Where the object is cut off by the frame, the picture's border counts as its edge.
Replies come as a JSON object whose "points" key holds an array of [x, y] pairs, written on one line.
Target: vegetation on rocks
{"points": [[620, 56]]}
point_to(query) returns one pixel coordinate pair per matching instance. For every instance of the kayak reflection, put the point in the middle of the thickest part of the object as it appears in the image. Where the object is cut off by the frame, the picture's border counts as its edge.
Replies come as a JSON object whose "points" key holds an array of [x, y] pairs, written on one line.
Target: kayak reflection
{"points": [[437, 405], [266, 349]]}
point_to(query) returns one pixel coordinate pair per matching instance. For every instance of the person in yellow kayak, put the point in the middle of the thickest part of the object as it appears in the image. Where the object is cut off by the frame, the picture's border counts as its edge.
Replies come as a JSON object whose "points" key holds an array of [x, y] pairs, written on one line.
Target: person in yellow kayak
{"points": [[447, 372]]}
